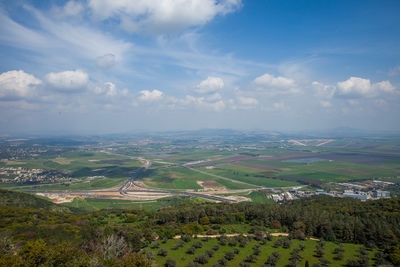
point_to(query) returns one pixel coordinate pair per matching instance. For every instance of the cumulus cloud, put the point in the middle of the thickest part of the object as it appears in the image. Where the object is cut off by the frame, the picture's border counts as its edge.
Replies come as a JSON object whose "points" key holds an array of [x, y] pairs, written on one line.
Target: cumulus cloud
{"points": [[323, 90], [161, 16], [272, 81], [359, 87], [67, 81], [210, 85], [17, 84], [105, 61], [385, 86], [108, 89], [275, 84], [150, 96]]}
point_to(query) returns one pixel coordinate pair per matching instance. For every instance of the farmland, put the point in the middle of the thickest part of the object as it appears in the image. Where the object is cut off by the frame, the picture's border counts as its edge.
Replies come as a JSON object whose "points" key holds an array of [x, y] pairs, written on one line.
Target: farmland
{"points": [[181, 254], [230, 165]]}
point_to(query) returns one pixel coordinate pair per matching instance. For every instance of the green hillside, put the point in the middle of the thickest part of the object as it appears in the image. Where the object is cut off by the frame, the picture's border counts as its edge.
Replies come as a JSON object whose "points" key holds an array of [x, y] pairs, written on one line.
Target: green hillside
{"points": [[25, 200]]}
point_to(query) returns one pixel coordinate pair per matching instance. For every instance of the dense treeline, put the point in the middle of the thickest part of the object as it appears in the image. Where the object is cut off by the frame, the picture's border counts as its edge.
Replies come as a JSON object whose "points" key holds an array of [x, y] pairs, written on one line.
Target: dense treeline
{"points": [[373, 223], [116, 237]]}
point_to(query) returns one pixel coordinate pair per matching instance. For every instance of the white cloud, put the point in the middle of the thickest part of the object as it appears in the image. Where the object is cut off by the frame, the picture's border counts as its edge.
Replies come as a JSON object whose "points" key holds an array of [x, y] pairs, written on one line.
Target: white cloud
{"points": [[110, 88], [354, 86], [105, 61], [323, 90], [17, 84], [57, 39], [358, 87], [161, 16], [210, 85], [385, 86], [247, 101], [67, 81], [150, 96], [269, 80], [276, 84]]}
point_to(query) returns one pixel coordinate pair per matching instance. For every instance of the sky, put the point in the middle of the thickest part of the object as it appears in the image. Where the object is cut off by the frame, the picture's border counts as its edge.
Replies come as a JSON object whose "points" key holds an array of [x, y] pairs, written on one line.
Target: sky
{"points": [[108, 66]]}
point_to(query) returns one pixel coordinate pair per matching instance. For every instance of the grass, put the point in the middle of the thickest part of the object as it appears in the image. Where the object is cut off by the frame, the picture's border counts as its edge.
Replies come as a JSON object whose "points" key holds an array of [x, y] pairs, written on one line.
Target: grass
{"points": [[259, 197], [249, 175], [183, 259], [79, 184], [94, 204]]}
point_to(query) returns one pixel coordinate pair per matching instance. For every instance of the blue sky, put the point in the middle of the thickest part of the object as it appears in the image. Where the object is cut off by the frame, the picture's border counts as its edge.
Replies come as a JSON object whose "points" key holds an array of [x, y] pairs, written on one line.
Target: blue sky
{"points": [[104, 66]]}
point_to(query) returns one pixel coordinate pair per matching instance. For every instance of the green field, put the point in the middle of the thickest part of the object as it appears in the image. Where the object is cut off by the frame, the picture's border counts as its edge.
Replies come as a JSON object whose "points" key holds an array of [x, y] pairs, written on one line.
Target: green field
{"points": [[183, 178], [94, 204], [182, 258]]}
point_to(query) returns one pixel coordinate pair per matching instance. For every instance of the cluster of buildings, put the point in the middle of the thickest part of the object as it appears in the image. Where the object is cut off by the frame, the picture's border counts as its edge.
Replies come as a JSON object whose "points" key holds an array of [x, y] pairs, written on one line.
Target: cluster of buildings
{"points": [[21, 175], [354, 191]]}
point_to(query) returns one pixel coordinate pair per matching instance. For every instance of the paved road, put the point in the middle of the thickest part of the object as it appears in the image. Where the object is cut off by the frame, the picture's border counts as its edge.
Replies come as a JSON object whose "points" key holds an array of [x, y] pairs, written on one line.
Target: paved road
{"points": [[122, 190]]}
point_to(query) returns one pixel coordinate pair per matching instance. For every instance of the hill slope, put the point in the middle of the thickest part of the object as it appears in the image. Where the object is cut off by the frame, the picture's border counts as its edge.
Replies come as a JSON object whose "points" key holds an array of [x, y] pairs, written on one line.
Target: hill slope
{"points": [[24, 200]]}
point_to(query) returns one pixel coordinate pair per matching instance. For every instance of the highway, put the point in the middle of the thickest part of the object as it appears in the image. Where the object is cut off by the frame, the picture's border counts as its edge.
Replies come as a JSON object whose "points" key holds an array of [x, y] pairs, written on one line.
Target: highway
{"points": [[124, 189]]}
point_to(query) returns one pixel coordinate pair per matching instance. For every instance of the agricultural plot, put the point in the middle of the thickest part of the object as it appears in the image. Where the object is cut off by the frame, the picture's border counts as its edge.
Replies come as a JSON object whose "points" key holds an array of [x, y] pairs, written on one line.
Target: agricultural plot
{"points": [[239, 251], [183, 178], [248, 175]]}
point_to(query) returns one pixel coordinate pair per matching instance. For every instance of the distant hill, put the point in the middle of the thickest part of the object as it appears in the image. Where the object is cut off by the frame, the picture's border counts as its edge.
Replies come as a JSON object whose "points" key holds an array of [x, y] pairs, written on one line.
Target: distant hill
{"points": [[24, 200]]}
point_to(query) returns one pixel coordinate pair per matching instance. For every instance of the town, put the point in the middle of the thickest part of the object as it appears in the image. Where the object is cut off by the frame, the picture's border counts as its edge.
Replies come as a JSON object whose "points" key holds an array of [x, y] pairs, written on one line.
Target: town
{"points": [[19, 175]]}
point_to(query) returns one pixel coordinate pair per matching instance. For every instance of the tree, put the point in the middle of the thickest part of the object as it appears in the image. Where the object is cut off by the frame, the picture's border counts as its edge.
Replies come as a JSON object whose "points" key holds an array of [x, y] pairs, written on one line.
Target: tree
{"points": [[286, 243], [113, 246], [229, 255], [324, 262], [202, 259], [162, 252], [319, 252], [170, 263], [197, 244], [210, 252], [132, 260], [251, 258], [190, 250]]}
